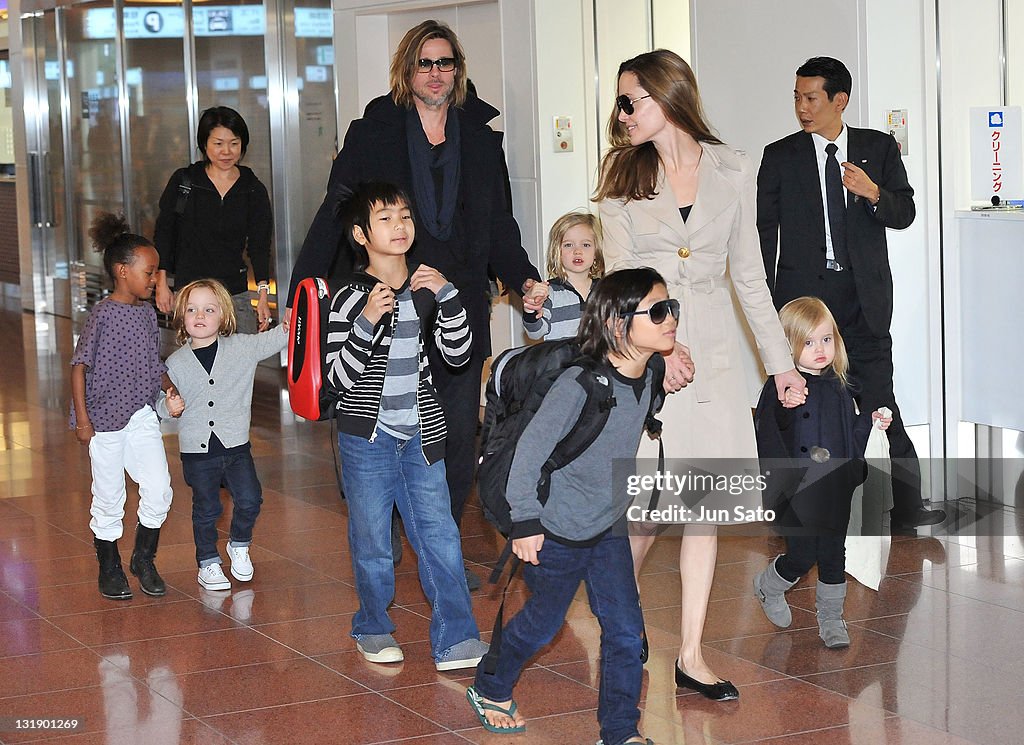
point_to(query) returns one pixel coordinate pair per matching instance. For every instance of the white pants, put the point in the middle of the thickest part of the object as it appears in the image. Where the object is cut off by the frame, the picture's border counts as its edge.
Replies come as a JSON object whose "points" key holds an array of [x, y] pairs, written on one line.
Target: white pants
{"points": [[139, 450]]}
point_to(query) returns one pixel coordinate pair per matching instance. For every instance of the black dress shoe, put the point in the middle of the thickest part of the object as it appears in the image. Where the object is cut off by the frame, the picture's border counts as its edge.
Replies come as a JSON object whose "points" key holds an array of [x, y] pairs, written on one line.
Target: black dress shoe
{"points": [[723, 690], [920, 516]]}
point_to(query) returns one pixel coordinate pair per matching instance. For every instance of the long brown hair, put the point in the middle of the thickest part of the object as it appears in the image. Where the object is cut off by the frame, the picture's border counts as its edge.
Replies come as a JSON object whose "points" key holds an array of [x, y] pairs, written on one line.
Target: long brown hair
{"points": [[631, 172], [406, 61]]}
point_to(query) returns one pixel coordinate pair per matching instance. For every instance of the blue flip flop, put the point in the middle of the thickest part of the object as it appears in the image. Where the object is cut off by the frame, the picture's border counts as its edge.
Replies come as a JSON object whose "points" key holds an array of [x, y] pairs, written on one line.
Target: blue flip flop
{"points": [[481, 707]]}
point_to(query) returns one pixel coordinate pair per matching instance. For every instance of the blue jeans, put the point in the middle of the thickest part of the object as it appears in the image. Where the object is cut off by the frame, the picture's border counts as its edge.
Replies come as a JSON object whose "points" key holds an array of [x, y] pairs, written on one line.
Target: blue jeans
{"points": [[205, 475], [607, 571], [377, 476]]}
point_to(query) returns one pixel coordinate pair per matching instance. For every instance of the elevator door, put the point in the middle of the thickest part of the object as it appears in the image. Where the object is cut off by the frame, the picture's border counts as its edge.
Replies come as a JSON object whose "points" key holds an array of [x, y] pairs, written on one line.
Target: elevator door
{"points": [[99, 143], [93, 122]]}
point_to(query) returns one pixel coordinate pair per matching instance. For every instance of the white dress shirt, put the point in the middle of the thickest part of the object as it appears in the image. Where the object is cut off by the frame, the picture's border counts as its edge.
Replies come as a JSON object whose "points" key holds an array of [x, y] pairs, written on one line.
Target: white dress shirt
{"points": [[819, 149]]}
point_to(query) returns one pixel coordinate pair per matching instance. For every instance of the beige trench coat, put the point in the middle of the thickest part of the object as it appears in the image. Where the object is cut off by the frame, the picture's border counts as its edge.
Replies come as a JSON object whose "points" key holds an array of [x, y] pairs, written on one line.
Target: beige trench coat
{"points": [[716, 249]]}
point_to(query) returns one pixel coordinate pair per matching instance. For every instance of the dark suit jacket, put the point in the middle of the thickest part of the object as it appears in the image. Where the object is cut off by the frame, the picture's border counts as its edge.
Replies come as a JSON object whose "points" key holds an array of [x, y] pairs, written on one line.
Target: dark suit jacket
{"points": [[791, 219], [376, 149]]}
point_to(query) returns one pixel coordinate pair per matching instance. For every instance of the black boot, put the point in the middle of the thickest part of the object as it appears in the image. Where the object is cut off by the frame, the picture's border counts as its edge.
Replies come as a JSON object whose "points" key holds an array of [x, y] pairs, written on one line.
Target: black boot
{"points": [[141, 565], [113, 583]]}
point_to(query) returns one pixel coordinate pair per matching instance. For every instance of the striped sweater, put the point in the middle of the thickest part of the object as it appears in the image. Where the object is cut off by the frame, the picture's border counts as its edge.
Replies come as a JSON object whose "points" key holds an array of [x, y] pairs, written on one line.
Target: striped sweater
{"points": [[560, 316], [357, 358]]}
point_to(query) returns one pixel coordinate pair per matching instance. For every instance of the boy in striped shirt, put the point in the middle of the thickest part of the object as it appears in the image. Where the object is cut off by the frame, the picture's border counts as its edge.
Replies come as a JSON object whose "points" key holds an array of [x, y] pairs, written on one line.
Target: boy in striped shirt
{"points": [[391, 428]]}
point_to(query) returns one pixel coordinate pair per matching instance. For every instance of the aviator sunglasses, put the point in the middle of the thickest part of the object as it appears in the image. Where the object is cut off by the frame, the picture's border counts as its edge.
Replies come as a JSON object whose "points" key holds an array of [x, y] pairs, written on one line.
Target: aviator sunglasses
{"points": [[444, 64], [659, 311], [624, 102]]}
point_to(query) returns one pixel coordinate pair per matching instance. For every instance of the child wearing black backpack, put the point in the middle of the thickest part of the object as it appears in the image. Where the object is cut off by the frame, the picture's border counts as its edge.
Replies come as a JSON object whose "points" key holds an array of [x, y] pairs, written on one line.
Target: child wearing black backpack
{"points": [[391, 428], [579, 534]]}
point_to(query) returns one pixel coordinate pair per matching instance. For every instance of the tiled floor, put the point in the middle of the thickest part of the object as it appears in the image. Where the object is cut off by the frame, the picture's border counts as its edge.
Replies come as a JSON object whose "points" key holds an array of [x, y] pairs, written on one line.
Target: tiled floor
{"points": [[936, 654]]}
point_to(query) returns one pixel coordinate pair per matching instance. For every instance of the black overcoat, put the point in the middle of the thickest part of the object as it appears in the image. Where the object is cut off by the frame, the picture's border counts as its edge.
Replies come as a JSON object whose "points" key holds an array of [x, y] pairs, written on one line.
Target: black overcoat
{"points": [[376, 149]]}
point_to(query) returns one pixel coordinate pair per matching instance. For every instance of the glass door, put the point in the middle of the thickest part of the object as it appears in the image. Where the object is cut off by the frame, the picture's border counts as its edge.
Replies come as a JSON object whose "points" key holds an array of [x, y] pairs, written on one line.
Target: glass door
{"points": [[159, 136], [113, 89], [94, 131], [44, 105], [304, 125]]}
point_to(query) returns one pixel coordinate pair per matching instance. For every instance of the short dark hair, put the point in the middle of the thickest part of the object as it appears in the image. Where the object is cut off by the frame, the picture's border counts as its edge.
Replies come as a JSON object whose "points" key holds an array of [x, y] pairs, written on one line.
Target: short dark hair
{"points": [[837, 77], [221, 116], [613, 300], [355, 208], [111, 237]]}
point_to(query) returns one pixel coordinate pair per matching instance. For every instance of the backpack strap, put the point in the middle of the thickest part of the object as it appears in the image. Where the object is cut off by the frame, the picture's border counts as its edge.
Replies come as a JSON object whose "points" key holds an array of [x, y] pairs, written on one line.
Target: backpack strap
{"points": [[593, 416], [591, 421], [425, 303], [184, 190], [652, 424]]}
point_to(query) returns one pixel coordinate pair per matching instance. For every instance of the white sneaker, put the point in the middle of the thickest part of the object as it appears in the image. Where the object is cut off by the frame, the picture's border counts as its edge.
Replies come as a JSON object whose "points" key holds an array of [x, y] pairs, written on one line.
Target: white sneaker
{"points": [[241, 564], [379, 648], [212, 577]]}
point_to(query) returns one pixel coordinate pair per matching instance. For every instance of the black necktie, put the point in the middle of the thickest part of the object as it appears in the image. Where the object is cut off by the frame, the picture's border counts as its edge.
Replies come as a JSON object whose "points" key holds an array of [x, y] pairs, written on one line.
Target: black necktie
{"points": [[836, 206]]}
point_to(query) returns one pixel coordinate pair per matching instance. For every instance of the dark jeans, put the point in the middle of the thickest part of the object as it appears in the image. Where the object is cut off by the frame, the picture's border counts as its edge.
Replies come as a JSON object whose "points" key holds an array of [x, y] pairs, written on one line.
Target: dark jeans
{"points": [[459, 391], [607, 571], [804, 551], [377, 477], [205, 475]]}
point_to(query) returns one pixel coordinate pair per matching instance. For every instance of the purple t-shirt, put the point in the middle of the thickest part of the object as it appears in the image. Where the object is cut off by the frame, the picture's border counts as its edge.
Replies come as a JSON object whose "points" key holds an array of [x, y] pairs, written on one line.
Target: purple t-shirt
{"points": [[120, 347]]}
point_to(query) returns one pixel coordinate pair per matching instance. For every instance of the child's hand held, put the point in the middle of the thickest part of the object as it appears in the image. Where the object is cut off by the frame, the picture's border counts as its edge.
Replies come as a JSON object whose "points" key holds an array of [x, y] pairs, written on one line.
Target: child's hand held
{"points": [[679, 369], [536, 294], [792, 388], [175, 403]]}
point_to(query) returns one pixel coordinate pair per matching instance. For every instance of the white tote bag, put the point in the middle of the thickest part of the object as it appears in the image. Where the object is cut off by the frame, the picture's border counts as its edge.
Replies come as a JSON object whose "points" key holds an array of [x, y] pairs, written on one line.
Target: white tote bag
{"points": [[867, 549]]}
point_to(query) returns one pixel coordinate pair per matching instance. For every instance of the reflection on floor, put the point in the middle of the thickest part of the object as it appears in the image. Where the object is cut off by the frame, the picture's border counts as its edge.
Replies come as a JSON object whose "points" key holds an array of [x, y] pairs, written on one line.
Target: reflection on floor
{"points": [[936, 654]]}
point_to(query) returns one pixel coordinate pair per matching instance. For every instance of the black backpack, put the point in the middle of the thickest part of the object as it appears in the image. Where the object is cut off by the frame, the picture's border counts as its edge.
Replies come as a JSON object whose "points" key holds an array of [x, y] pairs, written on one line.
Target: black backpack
{"points": [[520, 379]]}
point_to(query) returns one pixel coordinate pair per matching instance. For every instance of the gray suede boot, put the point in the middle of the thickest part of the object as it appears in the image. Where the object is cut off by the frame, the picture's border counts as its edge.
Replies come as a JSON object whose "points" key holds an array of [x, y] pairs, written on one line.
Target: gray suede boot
{"points": [[770, 588], [831, 626]]}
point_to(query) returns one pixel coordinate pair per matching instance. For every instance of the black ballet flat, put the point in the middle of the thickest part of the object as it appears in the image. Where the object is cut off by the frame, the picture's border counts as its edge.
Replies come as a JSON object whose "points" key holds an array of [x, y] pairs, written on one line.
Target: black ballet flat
{"points": [[723, 690]]}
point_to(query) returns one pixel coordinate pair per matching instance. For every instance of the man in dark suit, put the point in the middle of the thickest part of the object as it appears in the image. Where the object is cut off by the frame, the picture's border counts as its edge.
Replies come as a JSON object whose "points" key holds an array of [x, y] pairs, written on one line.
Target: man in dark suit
{"points": [[825, 196]]}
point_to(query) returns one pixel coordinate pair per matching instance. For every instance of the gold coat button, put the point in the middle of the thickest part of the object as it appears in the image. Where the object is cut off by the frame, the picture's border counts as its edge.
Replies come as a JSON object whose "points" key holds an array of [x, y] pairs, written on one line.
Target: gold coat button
{"points": [[684, 253]]}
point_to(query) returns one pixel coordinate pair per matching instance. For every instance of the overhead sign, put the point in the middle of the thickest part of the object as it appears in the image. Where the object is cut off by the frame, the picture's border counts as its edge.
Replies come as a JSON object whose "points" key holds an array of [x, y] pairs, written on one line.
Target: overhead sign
{"points": [[168, 22], [997, 165]]}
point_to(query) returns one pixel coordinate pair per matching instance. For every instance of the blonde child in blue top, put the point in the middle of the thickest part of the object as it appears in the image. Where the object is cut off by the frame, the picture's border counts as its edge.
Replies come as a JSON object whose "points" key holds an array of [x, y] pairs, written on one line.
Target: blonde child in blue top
{"points": [[116, 376], [575, 264]]}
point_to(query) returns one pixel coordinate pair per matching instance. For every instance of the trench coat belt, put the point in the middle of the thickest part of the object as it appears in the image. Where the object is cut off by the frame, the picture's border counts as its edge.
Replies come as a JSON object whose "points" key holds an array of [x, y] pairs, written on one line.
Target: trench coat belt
{"points": [[698, 321]]}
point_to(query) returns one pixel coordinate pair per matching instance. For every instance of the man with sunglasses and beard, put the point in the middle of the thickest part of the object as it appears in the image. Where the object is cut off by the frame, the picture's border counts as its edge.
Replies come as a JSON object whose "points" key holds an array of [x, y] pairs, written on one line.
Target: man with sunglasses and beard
{"points": [[430, 138]]}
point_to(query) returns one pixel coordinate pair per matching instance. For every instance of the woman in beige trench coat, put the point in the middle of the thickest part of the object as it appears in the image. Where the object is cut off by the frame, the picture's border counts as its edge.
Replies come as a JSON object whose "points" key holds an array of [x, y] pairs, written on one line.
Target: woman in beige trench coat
{"points": [[673, 197]]}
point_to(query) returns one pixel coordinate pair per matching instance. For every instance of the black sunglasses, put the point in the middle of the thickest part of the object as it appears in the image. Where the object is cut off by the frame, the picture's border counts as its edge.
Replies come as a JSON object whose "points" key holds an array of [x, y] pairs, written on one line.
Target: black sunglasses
{"points": [[659, 311], [625, 103], [444, 64]]}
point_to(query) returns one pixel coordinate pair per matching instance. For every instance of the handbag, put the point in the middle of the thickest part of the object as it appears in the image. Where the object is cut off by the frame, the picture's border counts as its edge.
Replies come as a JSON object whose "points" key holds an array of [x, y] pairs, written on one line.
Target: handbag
{"points": [[867, 549]]}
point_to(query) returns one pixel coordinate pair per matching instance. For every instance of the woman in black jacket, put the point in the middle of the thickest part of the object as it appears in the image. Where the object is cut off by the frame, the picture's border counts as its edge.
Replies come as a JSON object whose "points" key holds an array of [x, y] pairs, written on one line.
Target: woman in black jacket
{"points": [[212, 214]]}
